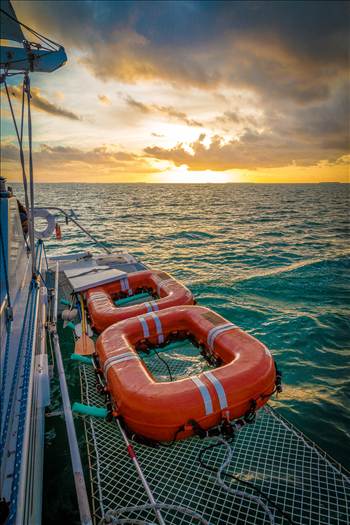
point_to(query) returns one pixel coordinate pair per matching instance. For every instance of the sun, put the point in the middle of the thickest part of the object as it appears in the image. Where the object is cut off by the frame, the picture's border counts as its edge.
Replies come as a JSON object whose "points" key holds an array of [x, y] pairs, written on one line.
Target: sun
{"points": [[182, 175]]}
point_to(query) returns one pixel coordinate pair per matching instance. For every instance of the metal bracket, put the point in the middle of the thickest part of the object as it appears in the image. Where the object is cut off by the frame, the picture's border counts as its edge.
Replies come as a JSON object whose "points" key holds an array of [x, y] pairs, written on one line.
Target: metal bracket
{"points": [[9, 314]]}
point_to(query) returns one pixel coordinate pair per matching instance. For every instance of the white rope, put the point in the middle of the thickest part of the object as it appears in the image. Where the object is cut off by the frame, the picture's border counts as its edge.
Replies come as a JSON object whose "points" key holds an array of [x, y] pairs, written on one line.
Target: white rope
{"points": [[237, 492], [111, 516]]}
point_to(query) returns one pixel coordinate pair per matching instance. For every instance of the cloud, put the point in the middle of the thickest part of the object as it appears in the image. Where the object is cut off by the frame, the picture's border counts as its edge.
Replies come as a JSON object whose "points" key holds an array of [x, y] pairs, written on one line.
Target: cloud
{"points": [[267, 80], [251, 151], [289, 50], [169, 111], [9, 152], [135, 104], [237, 118], [105, 160], [42, 104], [104, 100], [96, 156]]}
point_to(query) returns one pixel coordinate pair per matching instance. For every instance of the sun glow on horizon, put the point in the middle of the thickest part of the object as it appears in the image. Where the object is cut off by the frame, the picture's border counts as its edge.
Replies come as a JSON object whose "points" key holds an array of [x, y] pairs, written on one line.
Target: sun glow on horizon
{"points": [[182, 175]]}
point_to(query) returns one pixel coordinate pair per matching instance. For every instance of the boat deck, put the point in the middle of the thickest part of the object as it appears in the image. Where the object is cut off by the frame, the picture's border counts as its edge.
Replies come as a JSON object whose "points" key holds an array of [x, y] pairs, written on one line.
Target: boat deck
{"points": [[297, 476]]}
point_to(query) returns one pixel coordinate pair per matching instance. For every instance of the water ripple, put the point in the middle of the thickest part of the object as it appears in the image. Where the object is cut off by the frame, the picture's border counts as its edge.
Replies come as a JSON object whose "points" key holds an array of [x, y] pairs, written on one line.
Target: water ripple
{"points": [[273, 259]]}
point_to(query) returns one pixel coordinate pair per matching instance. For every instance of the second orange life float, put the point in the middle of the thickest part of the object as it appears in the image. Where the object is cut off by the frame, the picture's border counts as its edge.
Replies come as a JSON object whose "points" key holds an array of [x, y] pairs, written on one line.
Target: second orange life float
{"points": [[103, 312], [164, 411]]}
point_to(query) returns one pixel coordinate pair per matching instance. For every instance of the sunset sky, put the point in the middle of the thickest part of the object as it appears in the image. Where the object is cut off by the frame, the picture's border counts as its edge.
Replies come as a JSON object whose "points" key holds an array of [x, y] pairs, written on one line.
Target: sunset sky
{"points": [[189, 91]]}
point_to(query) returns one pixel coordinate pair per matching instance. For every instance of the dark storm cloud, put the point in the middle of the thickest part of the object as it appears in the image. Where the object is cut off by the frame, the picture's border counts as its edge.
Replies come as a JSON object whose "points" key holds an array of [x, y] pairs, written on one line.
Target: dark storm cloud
{"points": [[286, 49]]}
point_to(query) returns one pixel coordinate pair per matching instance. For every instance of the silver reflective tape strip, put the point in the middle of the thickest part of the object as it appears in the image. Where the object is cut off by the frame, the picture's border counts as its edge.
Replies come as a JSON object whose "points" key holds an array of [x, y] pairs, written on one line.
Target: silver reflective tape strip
{"points": [[160, 284], [144, 326], [205, 395], [148, 307], [116, 357], [214, 332], [154, 306], [128, 358], [124, 284], [158, 327], [96, 295], [219, 389]]}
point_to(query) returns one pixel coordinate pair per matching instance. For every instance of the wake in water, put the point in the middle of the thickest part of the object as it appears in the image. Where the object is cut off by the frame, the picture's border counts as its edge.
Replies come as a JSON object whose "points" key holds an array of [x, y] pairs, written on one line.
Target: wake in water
{"points": [[294, 266]]}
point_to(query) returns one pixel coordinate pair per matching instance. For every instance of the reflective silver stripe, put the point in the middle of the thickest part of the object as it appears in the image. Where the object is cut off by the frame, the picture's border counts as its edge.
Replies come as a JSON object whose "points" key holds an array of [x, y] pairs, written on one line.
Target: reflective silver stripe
{"points": [[116, 357], [219, 389], [158, 327], [214, 332], [159, 285], [154, 306], [205, 395], [97, 295], [124, 285], [144, 326], [128, 358], [151, 306]]}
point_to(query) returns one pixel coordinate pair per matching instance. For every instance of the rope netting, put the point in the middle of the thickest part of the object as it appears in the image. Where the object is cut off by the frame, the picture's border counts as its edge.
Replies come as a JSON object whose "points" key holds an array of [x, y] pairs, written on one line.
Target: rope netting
{"points": [[290, 470]]}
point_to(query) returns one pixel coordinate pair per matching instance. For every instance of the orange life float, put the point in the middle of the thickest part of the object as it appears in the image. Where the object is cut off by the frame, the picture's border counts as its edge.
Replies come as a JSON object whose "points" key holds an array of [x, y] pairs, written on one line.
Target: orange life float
{"points": [[103, 312], [163, 411]]}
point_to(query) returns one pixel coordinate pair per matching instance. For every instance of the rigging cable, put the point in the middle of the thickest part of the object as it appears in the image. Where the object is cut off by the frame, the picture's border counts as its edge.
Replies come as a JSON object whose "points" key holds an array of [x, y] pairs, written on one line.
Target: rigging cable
{"points": [[20, 140], [21, 154], [31, 178], [43, 38]]}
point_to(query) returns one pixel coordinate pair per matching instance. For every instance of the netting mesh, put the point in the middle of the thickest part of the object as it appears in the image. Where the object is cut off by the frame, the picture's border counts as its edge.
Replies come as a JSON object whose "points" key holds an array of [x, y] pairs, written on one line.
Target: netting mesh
{"points": [[299, 477], [180, 359]]}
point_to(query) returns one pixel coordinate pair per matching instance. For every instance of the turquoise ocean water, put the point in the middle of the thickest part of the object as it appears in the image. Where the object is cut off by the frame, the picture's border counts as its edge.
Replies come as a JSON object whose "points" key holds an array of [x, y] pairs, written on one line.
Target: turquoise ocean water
{"points": [[273, 259]]}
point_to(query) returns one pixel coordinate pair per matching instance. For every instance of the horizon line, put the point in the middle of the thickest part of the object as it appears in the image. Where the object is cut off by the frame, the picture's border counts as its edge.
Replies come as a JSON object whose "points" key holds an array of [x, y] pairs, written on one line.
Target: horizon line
{"points": [[183, 183]]}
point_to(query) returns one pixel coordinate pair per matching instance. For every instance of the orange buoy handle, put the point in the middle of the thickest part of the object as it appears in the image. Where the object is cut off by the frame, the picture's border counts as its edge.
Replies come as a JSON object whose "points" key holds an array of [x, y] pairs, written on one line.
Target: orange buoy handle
{"points": [[58, 231], [165, 289], [166, 411]]}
